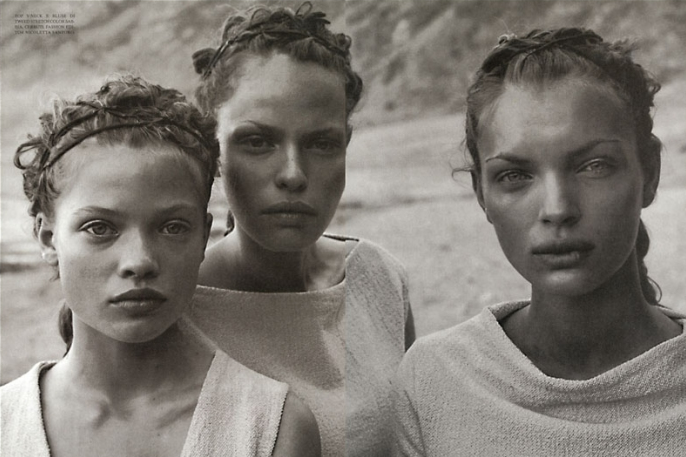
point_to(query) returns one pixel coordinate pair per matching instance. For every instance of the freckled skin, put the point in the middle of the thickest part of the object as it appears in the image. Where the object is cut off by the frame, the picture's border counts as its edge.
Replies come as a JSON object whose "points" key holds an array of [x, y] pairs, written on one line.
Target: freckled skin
{"points": [[128, 219], [125, 219], [562, 191], [560, 170], [283, 138]]}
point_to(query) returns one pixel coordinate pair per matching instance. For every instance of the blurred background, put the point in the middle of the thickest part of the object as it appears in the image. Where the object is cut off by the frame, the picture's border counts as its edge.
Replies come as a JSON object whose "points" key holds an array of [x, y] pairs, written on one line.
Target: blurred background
{"points": [[416, 58]]}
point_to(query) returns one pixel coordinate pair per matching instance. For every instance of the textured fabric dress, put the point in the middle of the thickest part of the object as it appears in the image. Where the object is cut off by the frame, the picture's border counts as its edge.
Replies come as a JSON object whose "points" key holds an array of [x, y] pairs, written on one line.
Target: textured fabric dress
{"points": [[469, 391], [337, 349], [238, 413]]}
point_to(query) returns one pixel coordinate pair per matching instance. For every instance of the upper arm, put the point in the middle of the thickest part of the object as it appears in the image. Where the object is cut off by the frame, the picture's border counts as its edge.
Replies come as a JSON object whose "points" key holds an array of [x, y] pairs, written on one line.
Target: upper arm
{"points": [[407, 431], [410, 334], [213, 268], [298, 432]]}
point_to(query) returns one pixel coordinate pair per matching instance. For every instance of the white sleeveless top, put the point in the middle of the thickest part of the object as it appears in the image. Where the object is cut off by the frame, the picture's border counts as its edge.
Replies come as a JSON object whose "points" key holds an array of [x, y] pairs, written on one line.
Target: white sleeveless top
{"points": [[238, 413]]}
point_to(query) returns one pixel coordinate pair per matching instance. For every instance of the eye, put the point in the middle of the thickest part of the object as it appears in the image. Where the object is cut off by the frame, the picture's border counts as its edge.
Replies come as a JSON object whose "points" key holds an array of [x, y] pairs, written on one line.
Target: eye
{"points": [[99, 229], [175, 228], [597, 168], [512, 177], [256, 144], [324, 145]]}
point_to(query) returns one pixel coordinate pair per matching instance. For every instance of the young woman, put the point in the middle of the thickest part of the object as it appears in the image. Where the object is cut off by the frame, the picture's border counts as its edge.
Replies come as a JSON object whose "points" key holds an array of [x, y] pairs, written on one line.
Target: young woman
{"points": [[119, 183], [329, 315], [560, 136]]}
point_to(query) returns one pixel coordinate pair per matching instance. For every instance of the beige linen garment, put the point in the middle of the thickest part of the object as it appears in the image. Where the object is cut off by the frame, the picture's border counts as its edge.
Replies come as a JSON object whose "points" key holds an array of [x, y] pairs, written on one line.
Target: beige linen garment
{"points": [[337, 349], [469, 391], [238, 413]]}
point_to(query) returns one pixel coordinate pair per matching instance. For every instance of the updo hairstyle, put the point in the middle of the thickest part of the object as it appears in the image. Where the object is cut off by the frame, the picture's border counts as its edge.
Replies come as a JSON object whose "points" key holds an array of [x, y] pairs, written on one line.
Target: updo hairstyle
{"points": [[125, 111], [547, 56]]}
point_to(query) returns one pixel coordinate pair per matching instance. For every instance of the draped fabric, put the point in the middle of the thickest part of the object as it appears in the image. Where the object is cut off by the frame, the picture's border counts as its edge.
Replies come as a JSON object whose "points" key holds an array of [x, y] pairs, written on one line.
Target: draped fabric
{"points": [[469, 391]]}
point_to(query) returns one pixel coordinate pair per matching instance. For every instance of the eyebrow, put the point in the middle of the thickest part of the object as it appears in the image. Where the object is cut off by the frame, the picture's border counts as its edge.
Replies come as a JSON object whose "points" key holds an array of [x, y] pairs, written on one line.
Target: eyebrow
{"points": [[178, 207], [514, 158], [259, 125], [249, 125], [327, 131], [88, 210], [271, 129]]}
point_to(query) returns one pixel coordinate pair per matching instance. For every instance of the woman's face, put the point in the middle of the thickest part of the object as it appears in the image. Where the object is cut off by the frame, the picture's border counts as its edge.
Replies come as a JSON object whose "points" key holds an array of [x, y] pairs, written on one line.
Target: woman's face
{"points": [[562, 184], [128, 233], [283, 139]]}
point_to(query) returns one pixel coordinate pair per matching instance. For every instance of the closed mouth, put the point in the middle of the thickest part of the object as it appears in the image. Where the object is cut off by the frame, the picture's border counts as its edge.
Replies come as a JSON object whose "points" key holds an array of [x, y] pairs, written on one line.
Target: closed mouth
{"points": [[291, 208], [562, 248], [139, 295], [561, 255]]}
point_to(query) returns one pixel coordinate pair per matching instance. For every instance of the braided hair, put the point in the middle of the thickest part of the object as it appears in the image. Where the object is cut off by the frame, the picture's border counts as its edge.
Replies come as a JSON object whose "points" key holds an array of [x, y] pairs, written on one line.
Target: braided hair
{"points": [[552, 55], [125, 111], [302, 34]]}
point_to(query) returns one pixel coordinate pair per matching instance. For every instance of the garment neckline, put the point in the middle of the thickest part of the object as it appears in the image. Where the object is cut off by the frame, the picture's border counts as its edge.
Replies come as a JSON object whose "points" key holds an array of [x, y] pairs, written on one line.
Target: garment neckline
{"points": [[193, 427], [352, 245], [494, 314]]}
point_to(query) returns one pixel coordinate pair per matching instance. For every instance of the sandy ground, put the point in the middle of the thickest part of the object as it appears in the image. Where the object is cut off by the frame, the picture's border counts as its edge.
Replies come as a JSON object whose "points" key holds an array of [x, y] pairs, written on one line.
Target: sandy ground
{"points": [[456, 266]]}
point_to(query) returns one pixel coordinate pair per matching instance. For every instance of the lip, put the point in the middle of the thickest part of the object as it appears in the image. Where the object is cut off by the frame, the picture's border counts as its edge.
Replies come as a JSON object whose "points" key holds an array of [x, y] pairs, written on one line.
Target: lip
{"points": [[288, 207], [139, 301], [563, 254], [562, 247], [144, 294]]}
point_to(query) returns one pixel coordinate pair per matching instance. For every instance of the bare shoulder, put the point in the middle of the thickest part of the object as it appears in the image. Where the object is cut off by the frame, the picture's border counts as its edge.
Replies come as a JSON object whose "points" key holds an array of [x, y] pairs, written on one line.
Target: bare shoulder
{"points": [[298, 433], [328, 263], [332, 246], [213, 270]]}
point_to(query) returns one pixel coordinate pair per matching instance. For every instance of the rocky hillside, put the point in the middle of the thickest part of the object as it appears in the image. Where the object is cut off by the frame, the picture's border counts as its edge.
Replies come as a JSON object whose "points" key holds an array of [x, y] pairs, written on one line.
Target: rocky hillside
{"points": [[416, 56]]}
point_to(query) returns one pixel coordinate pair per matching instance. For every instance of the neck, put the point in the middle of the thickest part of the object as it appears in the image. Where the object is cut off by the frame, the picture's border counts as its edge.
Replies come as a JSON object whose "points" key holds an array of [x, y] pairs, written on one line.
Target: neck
{"points": [[123, 370], [256, 269], [587, 320], [581, 336]]}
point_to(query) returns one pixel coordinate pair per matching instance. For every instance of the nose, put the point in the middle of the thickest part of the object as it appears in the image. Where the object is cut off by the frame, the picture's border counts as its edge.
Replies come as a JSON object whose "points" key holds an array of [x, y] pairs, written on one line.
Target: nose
{"points": [[559, 202], [292, 175], [138, 259]]}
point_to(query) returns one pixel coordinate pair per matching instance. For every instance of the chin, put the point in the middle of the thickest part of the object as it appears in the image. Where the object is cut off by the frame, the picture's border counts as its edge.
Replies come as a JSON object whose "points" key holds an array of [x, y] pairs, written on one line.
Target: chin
{"points": [[290, 242], [566, 283], [286, 246], [139, 334]]}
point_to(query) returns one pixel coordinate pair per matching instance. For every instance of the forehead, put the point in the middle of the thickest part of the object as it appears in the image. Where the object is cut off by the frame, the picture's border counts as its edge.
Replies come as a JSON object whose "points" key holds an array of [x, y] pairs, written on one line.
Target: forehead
{"points": [[110, 173], [560, 114], [277, 85]]}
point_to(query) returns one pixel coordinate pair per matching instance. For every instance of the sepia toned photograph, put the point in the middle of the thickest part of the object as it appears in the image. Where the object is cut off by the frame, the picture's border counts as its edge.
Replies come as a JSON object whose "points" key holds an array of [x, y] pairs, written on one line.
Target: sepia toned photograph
{"points": [[343, 228]]}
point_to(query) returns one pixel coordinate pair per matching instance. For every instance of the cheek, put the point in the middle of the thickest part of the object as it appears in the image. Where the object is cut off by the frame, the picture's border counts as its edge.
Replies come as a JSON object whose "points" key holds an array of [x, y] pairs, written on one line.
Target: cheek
{"points": [[183, 270], [616, 218], [513, 221], [512, 233], [231, 178], [338, 182], [82, 276], [240, 180], [510, 216], [330, 180]]}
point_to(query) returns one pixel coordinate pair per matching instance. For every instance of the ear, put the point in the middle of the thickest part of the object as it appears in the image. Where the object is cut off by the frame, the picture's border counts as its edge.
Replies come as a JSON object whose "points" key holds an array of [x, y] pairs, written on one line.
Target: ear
{"points": [[348, 134], [476, 186], [45, 234], [651, 175], [208, 228]]}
